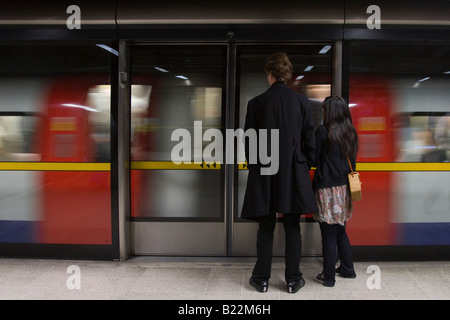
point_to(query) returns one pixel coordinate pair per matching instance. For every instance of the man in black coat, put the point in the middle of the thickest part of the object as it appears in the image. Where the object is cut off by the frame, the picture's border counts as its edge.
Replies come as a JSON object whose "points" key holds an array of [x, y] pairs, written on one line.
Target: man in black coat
{"points": [[288, 190]]}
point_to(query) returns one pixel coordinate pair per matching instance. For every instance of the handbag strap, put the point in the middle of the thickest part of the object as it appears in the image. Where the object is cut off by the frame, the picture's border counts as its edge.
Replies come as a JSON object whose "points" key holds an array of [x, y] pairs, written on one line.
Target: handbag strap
{"points": [[350, 164]]}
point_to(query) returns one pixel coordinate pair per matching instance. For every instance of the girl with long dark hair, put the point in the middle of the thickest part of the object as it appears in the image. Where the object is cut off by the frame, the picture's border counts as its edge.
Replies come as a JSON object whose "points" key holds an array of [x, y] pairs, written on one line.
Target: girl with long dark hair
{"points": [[336, 144]]}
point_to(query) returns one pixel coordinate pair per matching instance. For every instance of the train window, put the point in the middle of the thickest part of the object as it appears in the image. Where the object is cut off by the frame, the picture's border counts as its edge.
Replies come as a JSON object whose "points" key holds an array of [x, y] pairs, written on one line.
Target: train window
{"points": [[98, 103], [424, 136], [17, 139]]}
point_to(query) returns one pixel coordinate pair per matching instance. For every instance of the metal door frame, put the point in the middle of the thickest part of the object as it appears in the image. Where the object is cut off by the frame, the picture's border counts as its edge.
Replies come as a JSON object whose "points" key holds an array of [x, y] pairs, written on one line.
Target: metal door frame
{"points": [[144, 230], [123, 147]]}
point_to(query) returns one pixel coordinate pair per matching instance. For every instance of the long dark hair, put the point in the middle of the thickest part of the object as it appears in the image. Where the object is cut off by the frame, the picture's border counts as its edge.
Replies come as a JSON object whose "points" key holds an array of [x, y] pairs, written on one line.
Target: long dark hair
{"points": [[338, 121]]}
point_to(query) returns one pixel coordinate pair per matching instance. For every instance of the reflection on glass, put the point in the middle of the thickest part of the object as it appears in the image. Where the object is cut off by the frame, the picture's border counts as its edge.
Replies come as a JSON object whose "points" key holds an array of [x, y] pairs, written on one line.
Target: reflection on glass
{"points": [[422, 112], [311, 77], [173, 87], [311, 74], [22, 138], [400, 104], [54, 107], [399, 98]]}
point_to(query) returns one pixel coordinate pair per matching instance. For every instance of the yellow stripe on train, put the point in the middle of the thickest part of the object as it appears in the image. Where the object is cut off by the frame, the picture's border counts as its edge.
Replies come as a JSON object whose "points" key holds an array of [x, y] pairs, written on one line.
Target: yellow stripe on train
{"points": [[169, 165], [54, 166]]}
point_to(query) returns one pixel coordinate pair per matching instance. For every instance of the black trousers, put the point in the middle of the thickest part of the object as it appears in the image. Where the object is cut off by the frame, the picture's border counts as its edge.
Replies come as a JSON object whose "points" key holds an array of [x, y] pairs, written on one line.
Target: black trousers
{"points": [[264, 246], [335, 236]]}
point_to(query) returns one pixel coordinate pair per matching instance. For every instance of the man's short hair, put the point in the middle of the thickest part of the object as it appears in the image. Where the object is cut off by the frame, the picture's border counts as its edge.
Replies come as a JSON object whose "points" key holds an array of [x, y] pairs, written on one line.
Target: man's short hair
{"points": [[279, 66]]}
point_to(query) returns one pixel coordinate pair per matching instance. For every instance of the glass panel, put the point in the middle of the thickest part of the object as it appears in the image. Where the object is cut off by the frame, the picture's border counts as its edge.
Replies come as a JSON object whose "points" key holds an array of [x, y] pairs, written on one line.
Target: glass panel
{"points": [[311, 77], [54, 107], [176, 87], [399, 93], [399, 98]]}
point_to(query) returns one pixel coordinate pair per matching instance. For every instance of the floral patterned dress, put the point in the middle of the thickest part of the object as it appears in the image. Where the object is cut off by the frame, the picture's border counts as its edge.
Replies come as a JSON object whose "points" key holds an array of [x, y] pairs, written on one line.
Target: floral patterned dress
{"points": [[335, 205]]}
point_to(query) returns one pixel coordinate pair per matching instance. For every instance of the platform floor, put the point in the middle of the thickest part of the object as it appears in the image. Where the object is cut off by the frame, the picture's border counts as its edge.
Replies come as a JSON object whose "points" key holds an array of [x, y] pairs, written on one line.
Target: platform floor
{"points": [[162, 278]]}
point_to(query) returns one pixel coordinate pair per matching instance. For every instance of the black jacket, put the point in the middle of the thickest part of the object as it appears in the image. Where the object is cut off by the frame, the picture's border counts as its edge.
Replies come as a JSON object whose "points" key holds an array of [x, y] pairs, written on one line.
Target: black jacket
{"points": [[290, 189], [331, 164]]}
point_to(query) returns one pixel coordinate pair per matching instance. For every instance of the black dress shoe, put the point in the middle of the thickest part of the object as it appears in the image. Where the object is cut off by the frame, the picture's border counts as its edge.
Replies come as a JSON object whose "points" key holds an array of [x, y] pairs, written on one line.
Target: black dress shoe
{"points": [[350, 275], [320, 277], [261, 285], [295, 285]]}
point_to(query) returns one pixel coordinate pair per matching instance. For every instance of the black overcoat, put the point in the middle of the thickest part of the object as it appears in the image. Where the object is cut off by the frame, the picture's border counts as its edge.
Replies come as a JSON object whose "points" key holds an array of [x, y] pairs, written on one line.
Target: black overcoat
{"points": [[289, 190]]}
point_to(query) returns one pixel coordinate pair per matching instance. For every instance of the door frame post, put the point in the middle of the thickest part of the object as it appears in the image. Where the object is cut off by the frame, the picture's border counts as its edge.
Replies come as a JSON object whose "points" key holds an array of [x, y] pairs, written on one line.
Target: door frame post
{"points": [[123, 158], [230, 124]]}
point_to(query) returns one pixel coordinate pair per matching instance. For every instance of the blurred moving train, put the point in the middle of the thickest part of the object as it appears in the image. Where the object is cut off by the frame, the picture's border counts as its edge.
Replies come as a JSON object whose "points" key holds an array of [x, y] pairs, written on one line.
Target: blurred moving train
{"points": [[56, 120], [59, 130]]}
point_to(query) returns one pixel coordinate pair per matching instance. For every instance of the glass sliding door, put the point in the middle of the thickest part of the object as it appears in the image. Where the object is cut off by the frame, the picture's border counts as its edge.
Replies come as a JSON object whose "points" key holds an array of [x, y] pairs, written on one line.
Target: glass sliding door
{"points": [[176, 182], [178, 144], [312, 65]]}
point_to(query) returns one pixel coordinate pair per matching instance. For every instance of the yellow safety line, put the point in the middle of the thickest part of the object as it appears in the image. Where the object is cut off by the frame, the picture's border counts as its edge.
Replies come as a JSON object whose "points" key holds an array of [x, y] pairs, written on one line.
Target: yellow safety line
{"points": [[54, 166], [360, 166]]}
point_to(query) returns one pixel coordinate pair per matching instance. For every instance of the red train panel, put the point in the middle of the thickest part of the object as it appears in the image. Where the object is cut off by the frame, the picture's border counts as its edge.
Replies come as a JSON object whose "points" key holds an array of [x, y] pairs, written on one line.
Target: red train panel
{"points": [[76, 205], [371, 109]]}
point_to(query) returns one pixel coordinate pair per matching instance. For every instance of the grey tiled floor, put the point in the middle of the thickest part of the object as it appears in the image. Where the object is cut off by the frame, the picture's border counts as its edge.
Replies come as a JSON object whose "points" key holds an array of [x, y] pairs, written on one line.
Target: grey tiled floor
{"points": [[212, 278]]}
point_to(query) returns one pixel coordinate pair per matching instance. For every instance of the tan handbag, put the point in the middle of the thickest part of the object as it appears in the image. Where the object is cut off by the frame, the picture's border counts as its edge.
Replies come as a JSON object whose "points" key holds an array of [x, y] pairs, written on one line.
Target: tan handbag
{"points": [[354, 182]]}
